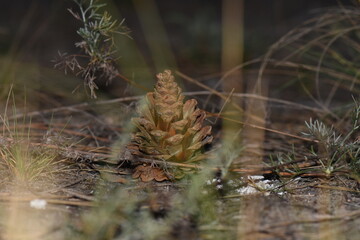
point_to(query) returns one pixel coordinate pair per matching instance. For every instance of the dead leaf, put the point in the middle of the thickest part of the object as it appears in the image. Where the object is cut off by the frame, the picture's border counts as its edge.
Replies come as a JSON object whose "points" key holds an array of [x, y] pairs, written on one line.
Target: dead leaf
{"points": [[148, 173]]}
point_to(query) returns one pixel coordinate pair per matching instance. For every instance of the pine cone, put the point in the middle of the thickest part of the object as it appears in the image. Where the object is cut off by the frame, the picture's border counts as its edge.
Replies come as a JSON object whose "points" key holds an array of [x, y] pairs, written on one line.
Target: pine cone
{"points": [[169, 129]]}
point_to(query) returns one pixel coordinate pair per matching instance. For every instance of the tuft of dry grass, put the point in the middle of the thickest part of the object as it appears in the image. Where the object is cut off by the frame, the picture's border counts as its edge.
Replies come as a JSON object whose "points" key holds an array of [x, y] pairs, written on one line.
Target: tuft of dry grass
{"points": [[323, 50], [24, 162], [18, 157]]}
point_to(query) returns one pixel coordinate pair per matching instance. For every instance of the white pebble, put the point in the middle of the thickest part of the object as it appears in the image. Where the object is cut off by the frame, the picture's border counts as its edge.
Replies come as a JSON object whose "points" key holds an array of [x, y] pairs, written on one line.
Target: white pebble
{"points": [[256, 177], [38, 203]]}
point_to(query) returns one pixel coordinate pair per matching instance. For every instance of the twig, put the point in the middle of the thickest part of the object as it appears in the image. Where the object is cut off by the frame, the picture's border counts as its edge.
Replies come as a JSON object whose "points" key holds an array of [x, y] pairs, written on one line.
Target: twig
{"points": [[224, 95], [223, 106], [49, 200], [338, 188], [72, 107], [79, 195], [271, 130], [344, 217], [215, 92], [247, 171]]}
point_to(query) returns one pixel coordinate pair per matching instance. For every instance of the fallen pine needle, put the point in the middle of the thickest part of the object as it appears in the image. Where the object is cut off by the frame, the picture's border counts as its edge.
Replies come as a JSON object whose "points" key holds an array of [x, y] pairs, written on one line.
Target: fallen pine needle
{"points": [[337, 188], [51, 201]]}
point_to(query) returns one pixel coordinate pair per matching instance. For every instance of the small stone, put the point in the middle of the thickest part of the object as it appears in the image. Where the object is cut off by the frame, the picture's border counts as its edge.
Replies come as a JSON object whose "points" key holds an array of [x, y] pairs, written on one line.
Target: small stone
{"points": [[38, 203]]}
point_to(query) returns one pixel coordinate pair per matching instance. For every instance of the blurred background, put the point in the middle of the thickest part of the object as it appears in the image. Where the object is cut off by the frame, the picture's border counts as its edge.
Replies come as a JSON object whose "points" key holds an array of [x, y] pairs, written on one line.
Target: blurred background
{"points": [[183, 35]]}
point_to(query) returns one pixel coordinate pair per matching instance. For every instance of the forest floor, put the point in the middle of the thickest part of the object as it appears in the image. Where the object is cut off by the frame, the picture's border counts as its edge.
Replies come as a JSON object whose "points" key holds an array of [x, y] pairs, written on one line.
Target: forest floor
{"points": [[76, 197]]}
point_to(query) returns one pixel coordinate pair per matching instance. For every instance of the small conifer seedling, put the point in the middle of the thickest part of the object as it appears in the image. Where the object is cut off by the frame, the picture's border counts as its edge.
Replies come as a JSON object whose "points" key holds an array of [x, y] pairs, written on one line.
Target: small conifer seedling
{"points": [[169, 129]]}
